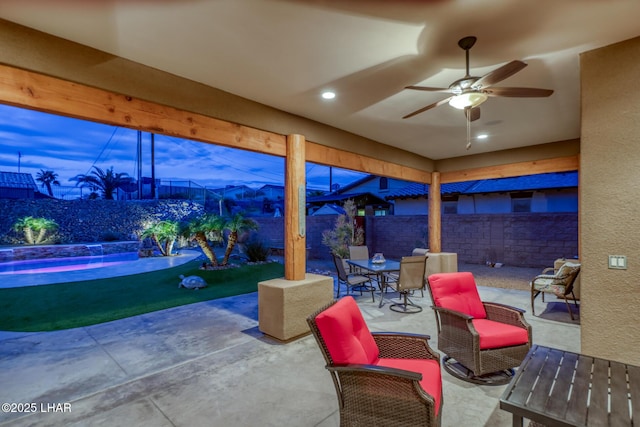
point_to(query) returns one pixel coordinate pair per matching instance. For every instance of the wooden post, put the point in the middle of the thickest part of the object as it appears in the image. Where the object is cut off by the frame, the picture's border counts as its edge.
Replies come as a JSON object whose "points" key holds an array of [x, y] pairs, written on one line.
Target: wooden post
{"points": [[295, 241], [435, 217]]}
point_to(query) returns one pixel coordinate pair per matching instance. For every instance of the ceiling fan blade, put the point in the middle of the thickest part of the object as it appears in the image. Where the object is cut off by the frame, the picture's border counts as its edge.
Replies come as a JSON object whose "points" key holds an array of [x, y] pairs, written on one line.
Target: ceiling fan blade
{"points": [[518, 92], [472, 114], [428, 107], [430, 89], [499, 74]]}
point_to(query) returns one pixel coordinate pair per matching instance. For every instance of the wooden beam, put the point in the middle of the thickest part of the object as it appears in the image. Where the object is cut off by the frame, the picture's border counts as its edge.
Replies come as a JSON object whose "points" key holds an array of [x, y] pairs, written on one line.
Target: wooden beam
{"points": [[321, 154], [559, 164], [27, 89], [435, 216], [294, 210]]}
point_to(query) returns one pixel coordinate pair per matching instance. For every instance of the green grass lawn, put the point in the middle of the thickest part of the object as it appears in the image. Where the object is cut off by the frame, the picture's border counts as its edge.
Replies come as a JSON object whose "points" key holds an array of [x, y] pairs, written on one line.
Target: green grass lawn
{"points": [[70, 305]]}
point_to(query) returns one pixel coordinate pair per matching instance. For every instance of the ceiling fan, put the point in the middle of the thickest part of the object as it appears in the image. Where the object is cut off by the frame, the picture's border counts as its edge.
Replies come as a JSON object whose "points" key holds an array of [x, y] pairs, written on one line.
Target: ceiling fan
{"points": [[469, 92]]}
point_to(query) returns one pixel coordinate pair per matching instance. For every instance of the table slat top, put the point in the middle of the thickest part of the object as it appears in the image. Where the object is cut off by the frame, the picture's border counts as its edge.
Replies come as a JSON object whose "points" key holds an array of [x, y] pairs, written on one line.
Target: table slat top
{"points": [[561, 388]]}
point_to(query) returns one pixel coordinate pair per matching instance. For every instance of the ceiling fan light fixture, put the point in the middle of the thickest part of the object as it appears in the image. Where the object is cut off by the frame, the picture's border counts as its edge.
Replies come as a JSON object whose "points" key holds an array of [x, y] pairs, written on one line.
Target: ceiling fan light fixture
{"points": [[467, 100]]}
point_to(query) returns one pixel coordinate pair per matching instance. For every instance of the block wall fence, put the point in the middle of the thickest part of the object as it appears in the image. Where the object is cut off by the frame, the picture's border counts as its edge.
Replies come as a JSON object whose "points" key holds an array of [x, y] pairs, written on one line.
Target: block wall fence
{"points": [[518, 239]]}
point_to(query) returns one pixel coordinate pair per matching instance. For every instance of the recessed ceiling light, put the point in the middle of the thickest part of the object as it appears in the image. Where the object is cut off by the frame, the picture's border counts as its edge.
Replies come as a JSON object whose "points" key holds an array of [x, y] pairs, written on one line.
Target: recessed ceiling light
{"points": [[482, 136], [328, 94]]}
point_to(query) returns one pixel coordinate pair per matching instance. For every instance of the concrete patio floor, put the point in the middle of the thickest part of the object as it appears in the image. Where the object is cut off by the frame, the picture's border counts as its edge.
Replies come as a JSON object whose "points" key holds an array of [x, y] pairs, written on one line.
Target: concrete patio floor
{"points": [[208, 364]]}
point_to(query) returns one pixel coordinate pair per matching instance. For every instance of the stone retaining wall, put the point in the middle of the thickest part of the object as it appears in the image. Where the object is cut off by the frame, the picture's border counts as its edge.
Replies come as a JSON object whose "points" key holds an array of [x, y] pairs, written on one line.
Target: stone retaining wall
{"points": [[21, 253], [86, 221]]}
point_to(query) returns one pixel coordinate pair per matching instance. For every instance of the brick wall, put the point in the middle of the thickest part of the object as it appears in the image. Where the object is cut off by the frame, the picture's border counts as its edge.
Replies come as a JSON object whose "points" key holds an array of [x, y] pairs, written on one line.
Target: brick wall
{"points": [[519, 239]]}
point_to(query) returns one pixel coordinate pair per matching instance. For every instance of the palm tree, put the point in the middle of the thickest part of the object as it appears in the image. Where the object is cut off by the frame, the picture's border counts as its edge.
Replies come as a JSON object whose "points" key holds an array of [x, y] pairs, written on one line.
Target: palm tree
{"points": [[236, 225], [106, 181], [201, 229], [34, 229], [47, 178], [163, 234]]}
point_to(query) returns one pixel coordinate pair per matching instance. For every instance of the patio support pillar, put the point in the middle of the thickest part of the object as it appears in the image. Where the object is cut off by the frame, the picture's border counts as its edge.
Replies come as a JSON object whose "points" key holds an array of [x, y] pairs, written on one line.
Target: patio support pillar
{"points": [[295, 209], [435, 217]]}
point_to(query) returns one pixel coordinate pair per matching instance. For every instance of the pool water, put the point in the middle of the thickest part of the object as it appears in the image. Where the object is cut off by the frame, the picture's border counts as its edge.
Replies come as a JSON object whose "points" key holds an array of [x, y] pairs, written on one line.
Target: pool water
{"points": [[55, 265]]}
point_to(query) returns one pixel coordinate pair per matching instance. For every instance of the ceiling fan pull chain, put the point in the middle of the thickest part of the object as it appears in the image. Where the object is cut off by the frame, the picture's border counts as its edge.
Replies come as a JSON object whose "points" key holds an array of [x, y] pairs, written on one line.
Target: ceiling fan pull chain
{"points": [[468, 118]]}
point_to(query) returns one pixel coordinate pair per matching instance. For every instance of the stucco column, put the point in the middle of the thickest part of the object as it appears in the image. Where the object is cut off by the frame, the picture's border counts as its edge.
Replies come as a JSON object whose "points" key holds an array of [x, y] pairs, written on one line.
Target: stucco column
{"points": [[294, 209], [435, 217]]}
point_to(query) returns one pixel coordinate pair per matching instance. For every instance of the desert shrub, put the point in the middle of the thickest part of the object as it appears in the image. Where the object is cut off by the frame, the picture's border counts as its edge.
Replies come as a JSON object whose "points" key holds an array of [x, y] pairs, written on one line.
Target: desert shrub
{"points": [[256, 250]]}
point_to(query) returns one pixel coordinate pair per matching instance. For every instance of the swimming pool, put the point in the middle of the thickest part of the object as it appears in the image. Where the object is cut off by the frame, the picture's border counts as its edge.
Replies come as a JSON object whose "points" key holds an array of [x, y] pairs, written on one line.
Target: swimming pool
{"points": [[55, 265]]}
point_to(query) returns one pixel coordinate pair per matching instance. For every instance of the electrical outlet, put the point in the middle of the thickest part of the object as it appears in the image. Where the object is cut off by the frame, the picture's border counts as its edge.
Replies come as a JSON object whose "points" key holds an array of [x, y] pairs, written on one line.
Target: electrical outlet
{"points": [[618, 262]]}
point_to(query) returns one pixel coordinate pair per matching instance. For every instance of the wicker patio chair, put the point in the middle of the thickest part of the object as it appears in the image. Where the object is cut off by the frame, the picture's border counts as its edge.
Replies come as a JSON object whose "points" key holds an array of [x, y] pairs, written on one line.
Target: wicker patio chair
{"points": [[560, 284], [381, 379], [410, 278], [482, 341], [352, 280]]}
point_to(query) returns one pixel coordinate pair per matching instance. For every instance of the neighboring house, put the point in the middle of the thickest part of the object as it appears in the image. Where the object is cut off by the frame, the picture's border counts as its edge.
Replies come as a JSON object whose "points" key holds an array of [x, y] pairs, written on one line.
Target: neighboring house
{"points": [[239, 192], [377, 185], [551, 192], [366, 203], [16, 185], [329, 209], [271, 192], [368, 192]]}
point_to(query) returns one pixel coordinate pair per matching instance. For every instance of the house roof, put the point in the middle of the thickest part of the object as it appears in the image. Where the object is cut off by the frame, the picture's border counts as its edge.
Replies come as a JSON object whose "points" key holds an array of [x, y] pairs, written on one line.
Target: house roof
{"points": [[328, 198], [277, 187], [545, 181], [329, 209], [17, 180], [354, 184]]}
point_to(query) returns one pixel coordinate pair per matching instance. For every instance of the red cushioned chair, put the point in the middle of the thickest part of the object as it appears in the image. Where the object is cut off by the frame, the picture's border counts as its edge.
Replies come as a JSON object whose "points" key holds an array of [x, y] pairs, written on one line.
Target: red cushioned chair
{"points": [[482, 341], [381, 379]]}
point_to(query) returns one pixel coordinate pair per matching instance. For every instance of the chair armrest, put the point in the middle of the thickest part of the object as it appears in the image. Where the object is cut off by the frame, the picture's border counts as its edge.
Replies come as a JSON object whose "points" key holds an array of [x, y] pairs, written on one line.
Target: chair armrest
{"points": [[548, 269], [551, 277], [373, 369], [506, 314], [404, 346], [499, 306], [446, 311]]}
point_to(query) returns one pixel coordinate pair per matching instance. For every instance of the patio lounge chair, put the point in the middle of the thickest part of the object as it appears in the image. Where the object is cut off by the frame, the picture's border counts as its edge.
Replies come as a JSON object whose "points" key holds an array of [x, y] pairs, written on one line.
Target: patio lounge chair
{"points": [[482, 341], [560, 284], [381, 379]]}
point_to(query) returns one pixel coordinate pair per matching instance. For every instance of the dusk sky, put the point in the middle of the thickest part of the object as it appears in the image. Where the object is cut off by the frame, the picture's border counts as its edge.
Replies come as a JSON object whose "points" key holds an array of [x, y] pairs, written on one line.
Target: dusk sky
{"points": [[70, 147]]}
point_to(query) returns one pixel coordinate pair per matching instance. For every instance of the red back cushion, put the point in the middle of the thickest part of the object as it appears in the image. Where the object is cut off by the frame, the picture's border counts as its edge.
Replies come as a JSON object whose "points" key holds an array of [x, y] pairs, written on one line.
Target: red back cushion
{"points": [[457, 291], [346, 334]]}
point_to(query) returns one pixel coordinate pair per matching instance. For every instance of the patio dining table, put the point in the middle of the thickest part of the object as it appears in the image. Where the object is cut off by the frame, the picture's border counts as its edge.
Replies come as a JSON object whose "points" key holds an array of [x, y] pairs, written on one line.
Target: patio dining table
{"points": [[379, 269]]}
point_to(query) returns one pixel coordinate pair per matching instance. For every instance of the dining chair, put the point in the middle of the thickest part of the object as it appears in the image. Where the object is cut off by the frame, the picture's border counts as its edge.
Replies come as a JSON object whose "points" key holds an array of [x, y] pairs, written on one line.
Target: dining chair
{"points": [[380, 378], [408, 279], [352, 280], [359, 252]]}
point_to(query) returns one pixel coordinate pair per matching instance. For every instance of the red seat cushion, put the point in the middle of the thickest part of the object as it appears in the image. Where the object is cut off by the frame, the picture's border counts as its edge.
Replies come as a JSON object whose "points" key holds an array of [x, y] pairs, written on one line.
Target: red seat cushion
{"points": [[497, 335], [346, 334], [457, 291], [431, 381]]}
